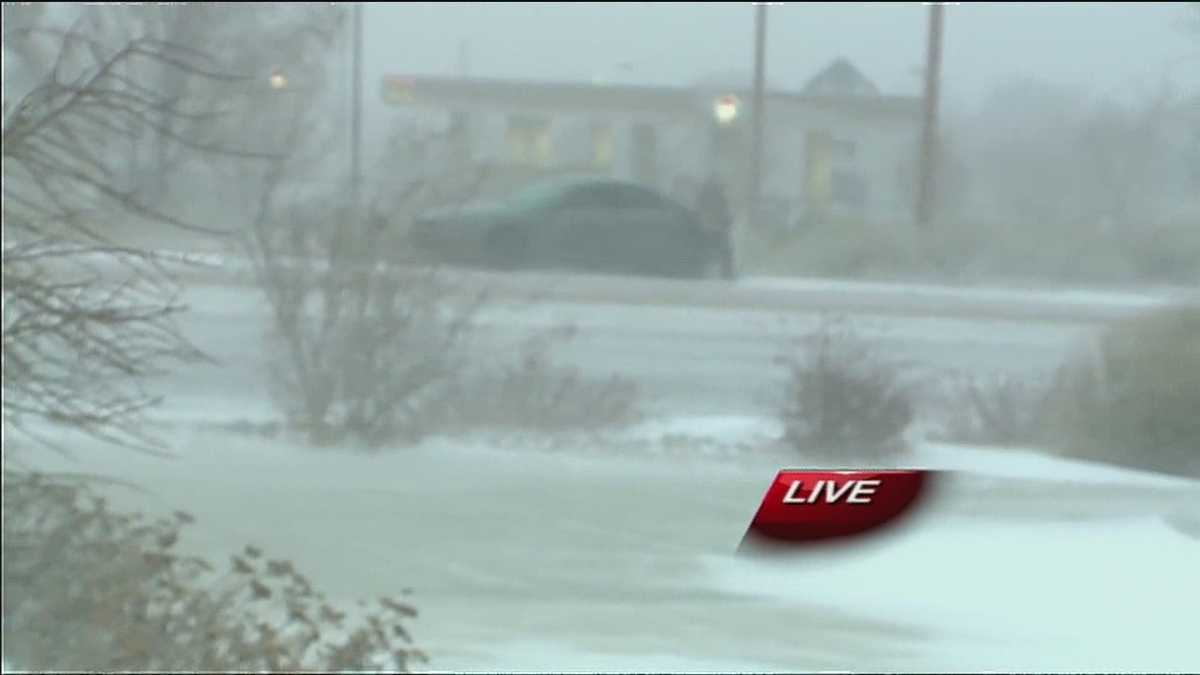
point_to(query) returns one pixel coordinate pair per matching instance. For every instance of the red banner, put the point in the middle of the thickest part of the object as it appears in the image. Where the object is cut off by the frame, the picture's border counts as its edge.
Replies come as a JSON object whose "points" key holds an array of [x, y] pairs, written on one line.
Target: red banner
{"points": [[803, 507]]}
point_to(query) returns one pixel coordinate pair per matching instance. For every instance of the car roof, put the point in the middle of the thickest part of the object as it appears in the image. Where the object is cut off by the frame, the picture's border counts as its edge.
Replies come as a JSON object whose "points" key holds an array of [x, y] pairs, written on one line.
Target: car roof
{"points": [[571, 181]]}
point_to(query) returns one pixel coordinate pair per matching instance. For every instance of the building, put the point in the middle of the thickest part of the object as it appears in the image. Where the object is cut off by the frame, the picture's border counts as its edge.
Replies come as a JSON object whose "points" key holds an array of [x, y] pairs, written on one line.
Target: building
{"points": [[835, 148]]}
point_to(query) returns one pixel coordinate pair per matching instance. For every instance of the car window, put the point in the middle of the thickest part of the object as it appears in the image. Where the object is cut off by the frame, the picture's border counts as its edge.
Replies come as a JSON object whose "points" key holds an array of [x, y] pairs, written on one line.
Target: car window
{"points": [[596, 196], [611, 196], [637, 198], [539, 196]]}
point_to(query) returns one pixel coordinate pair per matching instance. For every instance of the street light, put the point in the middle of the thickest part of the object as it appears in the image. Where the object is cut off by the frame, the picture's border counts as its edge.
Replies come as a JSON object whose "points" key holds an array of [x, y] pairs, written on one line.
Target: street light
{"points": [[278, 80], [725, 110]]}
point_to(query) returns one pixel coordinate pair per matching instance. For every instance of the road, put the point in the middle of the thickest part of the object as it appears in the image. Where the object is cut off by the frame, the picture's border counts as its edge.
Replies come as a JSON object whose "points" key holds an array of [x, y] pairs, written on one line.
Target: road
{"points": [[686, 358]]}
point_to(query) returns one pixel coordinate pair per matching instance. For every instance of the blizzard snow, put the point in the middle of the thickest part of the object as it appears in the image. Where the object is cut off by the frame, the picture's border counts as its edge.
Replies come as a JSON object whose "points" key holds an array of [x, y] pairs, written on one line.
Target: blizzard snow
{"points": [[581, 557], [1062, 298]]}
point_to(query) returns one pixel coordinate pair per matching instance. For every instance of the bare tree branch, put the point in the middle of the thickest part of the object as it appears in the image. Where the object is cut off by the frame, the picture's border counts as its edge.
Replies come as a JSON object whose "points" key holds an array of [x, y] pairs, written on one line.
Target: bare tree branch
{"points": [[87, 319]]}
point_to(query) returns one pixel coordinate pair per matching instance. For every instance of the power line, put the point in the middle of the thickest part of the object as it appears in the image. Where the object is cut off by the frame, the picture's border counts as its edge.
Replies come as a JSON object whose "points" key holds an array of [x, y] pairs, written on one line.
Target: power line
{"points": [[356, 115]]}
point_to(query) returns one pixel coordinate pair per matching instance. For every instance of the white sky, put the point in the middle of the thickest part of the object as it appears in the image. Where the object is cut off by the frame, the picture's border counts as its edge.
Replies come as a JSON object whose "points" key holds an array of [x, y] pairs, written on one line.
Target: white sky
{"points": [[1105, 47]]}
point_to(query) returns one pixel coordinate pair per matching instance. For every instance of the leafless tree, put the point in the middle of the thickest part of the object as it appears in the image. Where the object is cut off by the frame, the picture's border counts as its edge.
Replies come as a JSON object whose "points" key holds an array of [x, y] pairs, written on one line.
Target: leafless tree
{"points": [[87, 318], [361, 344]]}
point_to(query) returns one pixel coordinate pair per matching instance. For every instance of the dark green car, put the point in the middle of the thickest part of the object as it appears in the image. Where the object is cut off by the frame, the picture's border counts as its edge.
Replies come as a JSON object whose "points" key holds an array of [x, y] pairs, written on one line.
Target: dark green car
{"points": [[585, 224]]}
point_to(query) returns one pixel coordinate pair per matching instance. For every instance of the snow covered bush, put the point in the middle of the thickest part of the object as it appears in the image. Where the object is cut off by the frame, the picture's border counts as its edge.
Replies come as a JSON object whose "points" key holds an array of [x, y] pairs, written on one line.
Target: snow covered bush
{"points": [[88, 588], [360, 346], [843, 402], [1136, 400], [537, 395], [1002, 410]]}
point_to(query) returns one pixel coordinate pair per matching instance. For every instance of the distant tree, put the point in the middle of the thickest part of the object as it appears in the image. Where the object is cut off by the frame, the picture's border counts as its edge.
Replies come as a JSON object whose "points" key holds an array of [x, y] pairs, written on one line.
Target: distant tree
{"points": [[1119, 150], [1052, 155], [1018, 146]]}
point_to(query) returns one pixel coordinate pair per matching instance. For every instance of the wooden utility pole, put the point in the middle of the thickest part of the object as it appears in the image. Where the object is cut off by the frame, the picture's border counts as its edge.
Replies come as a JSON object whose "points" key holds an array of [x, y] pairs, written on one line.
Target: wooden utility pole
{"points": [[357, 107], [758, 111], [927, 189], [464, 61]]}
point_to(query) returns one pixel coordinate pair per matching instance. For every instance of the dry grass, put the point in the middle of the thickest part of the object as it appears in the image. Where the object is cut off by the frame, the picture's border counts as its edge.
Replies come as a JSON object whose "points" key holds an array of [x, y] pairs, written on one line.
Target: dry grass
{"points": [[1135, 400], [537, 395], [844, 402], [87, 588], [1000, 411]]}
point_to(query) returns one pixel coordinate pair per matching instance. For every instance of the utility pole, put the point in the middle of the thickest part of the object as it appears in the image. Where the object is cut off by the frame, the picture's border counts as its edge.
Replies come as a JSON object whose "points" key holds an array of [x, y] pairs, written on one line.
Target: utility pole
{"points": [[927, 189], [356, 112], [464, 62], [758, 112]]}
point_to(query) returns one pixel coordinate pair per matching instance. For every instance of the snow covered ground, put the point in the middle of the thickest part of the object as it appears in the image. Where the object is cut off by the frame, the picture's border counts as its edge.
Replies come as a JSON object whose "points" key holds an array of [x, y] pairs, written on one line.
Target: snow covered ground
{"points": [[590, 554], [1146, 298]]}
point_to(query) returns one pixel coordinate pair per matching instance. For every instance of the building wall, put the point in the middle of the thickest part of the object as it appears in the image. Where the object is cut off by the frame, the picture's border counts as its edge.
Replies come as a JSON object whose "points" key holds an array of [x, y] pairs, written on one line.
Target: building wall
{"points": [[879, 152]]}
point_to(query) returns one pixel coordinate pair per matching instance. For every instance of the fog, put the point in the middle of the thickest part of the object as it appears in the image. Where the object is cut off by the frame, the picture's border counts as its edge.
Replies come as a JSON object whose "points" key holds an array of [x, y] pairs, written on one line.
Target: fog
{"points": [[528, 349], [1102, 47]]}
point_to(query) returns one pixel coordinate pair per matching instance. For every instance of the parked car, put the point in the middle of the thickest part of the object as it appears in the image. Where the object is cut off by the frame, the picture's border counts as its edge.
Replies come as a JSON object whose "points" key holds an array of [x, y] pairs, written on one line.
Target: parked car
{"points": [[578, 223]]}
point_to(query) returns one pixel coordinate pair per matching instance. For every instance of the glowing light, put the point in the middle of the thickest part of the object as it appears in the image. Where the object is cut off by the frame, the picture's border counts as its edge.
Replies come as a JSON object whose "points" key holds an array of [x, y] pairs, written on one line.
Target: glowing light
{"points": [[726, 109]]}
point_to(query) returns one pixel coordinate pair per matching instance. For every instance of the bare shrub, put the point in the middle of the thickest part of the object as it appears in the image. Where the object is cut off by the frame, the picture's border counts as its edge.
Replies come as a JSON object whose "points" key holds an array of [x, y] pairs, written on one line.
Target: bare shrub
{"points": [[843, 402], [1134, 400], [1002, 410], [361, 346], [370, 344], [537, 395], [375, 352], [87, 587]]}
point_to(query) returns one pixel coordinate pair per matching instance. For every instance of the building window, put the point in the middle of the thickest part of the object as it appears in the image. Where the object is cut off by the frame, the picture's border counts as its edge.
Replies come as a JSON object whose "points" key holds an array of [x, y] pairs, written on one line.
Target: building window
{"points": [[818, 166], [529, 140], [844, 150], [602, 146]]}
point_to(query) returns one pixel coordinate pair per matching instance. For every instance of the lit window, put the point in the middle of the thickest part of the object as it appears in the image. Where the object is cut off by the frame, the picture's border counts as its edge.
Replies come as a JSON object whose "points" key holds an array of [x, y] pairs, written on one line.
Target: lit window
{"points": [[602, 146], [529, 140]]}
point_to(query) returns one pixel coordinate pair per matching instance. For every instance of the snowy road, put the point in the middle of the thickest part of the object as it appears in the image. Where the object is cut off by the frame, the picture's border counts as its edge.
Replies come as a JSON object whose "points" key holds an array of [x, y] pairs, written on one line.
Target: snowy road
{"points": [[686, 359]]}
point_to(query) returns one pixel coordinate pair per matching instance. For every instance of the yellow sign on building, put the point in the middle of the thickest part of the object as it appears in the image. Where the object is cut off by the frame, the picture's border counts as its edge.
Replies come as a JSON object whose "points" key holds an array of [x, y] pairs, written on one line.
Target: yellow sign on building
{"points": [[819, 170], [530, 141], [602, 146]]}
